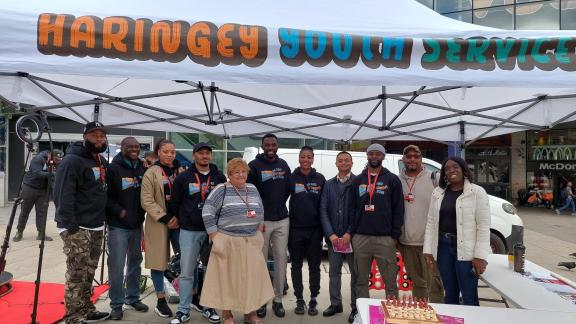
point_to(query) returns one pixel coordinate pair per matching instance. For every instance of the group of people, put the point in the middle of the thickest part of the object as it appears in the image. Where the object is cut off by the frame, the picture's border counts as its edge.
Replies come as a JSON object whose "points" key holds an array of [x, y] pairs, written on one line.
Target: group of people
{"points": [[438, 221]]}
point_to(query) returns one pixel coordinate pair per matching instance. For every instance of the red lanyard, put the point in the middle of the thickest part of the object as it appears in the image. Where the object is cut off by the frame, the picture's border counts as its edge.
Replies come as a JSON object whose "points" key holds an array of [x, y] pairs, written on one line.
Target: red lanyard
{"points": [[102, 170], [372, 186], [244, 200], [170, 185], [413, 182], [203, 190]]}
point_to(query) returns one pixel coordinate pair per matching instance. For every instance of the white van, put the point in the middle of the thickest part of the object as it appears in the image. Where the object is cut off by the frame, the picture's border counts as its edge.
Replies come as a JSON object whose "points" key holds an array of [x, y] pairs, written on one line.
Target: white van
{"points": [[507, 227]]}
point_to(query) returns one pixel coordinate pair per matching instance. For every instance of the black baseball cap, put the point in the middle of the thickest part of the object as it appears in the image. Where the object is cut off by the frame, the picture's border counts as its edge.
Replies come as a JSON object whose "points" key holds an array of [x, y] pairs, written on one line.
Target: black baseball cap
{"points": [[200, 146], [95, 125]]}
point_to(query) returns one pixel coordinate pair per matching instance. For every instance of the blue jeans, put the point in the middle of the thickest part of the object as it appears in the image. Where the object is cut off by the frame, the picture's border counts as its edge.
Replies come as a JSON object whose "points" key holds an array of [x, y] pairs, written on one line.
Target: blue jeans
{"points": [[124, 249], [190, 242], [158, 275], [569, 203], [457, 276]]}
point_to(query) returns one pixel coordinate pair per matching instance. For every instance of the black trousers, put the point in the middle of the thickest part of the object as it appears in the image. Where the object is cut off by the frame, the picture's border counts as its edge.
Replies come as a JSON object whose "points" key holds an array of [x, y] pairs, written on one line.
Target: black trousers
{"points": [[305, 243], [32, 197]]}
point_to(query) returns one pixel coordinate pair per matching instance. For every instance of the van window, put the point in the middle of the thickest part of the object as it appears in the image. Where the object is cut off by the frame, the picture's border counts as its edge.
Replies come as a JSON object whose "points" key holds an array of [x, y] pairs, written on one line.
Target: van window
{"points": [[428, 166]]}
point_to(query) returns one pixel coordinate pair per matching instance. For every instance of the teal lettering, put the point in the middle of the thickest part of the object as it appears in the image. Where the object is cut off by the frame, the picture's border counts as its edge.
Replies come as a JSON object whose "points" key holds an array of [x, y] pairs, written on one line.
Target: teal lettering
{"points": [[433, 54], [476, 50], [540, 58], [392, 43], [453, 51]]}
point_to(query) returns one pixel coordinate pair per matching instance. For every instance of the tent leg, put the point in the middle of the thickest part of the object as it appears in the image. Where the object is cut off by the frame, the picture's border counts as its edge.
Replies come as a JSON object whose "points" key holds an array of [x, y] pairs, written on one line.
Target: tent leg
{"points": [[462, 139]]}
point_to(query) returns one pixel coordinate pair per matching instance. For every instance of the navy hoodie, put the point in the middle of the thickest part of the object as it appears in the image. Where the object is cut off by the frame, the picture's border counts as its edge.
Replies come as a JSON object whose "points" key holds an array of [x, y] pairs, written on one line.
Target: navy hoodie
{"points": [[272, 179], [187, 197], [388, 200], [79, 195], [124, 180], [305, 193]]}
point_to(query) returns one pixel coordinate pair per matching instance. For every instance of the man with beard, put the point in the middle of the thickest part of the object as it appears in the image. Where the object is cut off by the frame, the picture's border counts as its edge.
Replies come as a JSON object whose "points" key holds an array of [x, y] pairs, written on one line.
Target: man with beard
{"points": [[191, 188], [80, 197], [378, 222], [125, 217], [270, 174], [417, 184], [305, 239]]}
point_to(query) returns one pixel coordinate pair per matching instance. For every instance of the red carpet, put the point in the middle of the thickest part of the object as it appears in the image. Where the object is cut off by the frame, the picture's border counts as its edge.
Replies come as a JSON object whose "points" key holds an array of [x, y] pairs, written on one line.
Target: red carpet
{"points": [[16, 307]]}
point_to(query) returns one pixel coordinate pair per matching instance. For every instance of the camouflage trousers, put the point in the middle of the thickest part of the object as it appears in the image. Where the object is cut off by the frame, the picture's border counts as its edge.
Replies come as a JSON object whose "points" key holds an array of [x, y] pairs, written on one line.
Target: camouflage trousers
{"points": [[82, 250]]}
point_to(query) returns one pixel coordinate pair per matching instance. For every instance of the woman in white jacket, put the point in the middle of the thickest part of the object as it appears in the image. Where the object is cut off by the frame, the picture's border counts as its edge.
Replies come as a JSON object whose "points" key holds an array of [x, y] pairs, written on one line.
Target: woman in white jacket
{"points": [[458, 232]]}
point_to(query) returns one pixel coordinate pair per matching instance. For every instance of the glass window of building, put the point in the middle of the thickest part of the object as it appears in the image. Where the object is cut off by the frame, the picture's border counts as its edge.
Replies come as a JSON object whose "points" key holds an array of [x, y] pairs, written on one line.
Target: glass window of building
{"points": [[444, 6], [427, 3], [541, 15], [464, 16], [497, 17], [568, 14]]}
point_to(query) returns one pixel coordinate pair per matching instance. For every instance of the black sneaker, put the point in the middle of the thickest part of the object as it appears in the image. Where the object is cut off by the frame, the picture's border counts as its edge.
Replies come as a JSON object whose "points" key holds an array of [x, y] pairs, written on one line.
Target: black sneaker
{"points": [[352, 316], [97, 317], [138, 306], [180, 318], [211, 315], [312, 310], [332, 310], [162, 308], [116, 314], [261, 312], [300, 307], [17, 237], [278, 309]]}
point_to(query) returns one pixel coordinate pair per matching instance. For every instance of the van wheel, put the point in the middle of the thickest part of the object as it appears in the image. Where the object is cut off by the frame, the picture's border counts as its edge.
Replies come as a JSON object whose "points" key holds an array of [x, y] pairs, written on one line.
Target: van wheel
{"points": [[497, 245]]}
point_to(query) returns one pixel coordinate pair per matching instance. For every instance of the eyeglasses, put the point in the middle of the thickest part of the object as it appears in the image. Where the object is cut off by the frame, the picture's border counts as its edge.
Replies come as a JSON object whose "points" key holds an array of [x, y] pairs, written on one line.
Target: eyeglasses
{"points": [[237, 173]]}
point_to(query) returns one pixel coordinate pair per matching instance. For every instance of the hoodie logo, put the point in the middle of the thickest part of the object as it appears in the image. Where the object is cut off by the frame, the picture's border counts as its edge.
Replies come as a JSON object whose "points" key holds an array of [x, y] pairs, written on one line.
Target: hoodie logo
{"points": [[96, 171], [194, 188], [381, 189], [313, 188], [275, 174], [128, 183]]}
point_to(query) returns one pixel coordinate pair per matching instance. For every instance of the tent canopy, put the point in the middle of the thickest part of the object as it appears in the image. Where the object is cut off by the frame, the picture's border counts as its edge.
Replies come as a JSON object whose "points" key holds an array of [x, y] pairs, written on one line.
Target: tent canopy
{"points": [[357, 70]]}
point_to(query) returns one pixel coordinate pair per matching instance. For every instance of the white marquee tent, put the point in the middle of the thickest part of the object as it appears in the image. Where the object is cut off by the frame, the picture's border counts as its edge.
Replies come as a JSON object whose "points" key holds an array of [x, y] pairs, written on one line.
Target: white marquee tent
{"points": [[339, 70]]}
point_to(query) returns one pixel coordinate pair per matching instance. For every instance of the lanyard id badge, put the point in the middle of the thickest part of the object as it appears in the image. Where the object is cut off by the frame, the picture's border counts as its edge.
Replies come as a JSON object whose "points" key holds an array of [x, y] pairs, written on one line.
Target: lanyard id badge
{"points": [[371, 189], [203, 190], [409, 197]]}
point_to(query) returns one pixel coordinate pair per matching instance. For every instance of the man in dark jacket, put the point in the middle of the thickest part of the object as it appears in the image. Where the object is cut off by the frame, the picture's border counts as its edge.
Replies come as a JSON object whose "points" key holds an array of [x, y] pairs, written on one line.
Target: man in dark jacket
{"points": [[378, 222], [80, 198], [35, 192], [336, 213], [270, 174], [305, 238], [125, 217], [191, 188]]}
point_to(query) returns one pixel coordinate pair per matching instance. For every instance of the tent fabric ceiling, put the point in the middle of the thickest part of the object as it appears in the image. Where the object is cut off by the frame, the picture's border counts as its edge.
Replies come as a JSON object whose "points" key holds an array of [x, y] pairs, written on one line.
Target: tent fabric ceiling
{"points": [[329, 103]]}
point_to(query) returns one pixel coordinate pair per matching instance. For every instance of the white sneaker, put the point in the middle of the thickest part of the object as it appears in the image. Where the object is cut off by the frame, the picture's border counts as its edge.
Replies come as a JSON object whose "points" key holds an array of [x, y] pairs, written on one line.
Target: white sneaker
{"points": [[557, 212], [180, 318]]}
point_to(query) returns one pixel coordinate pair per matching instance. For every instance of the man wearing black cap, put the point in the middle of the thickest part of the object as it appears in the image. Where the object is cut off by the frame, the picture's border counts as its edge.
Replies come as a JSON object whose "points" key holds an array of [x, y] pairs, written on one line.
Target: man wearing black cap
{"points": [[80, 197], [191, 188], [35, 192], [378, 222]]}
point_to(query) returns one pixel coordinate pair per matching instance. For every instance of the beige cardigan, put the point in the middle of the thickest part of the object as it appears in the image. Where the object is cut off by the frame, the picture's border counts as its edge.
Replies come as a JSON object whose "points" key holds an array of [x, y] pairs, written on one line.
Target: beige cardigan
{"points": [[157, 248]]}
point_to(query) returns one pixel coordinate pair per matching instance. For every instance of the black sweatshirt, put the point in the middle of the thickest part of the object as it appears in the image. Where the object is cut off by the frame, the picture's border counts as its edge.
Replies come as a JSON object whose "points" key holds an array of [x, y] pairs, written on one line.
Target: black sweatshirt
{"points": [[187, 196], [272, 179], [37, 175], [388, 215], [305, 193], [124, 181], [79, 194], [168, 180]]}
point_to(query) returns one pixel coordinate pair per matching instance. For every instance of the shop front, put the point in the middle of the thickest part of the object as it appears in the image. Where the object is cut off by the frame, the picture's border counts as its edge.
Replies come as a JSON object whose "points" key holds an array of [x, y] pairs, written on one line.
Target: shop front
{"points": [[550, 165]]}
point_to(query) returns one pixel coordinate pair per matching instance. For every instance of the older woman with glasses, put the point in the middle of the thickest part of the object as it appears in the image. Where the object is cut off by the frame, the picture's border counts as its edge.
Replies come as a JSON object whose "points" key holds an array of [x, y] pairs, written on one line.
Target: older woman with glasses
{"points": [[237, 274]]}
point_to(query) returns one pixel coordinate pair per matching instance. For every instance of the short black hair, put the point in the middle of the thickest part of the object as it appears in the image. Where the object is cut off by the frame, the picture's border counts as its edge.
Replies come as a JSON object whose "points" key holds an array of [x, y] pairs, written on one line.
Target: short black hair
{"points": [[463, 165], [161, 143], [343, 152], [125, 139], [307, 148], [269, 135]]}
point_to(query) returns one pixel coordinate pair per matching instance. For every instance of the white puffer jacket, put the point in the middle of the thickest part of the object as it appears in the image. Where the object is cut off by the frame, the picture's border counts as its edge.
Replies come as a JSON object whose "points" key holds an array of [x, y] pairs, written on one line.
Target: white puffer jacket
{"points": [[472, 223]]}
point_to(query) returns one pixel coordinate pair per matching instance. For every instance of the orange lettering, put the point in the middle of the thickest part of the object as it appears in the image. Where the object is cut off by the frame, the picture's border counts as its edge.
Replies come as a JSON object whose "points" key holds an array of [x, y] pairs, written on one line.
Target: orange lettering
{"points": [[199, 45], [170, 37], [87, 35], [224, 41], [113, 38], [249, 35], [46, 28], [139, 35]]}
